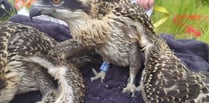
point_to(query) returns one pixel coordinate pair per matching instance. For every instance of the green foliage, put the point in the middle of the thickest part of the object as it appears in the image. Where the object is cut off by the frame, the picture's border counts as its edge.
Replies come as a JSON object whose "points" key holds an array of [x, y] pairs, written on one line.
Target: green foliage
{"points": [[205, 2], [184, 7]]}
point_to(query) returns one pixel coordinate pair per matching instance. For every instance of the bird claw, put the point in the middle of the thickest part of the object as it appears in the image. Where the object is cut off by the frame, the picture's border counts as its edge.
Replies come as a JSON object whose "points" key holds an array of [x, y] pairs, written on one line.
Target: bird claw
{"points": [[130, 88], [100, 75]]}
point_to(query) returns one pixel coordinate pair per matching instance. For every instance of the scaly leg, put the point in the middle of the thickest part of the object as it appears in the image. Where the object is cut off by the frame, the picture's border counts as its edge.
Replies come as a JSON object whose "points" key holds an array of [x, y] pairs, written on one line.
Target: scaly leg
{"points": [[141, 84], [104, 68], [135, 64]]}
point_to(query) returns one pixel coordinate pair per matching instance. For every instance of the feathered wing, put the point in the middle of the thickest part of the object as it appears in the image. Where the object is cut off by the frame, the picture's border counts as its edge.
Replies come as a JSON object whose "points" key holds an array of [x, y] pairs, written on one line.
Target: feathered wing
{"points": [[135, 12], [19, 42], [4, 39], [167, 79]]}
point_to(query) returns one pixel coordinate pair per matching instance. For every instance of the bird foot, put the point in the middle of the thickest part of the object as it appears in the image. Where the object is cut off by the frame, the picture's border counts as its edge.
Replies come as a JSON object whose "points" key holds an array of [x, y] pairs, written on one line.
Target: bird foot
{"points": [[100, 75], [130, 88]]}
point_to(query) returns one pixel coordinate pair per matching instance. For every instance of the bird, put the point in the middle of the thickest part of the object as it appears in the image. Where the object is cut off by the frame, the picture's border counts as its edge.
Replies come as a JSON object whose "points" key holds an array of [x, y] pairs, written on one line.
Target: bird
{"points": [[111, 27], [70, 87], [166, 79], [29, 62]]}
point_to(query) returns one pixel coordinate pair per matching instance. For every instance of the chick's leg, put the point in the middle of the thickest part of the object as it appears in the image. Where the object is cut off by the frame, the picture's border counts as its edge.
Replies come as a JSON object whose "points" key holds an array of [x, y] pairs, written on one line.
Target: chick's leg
{"points": [[135, 64], [103, 69]]}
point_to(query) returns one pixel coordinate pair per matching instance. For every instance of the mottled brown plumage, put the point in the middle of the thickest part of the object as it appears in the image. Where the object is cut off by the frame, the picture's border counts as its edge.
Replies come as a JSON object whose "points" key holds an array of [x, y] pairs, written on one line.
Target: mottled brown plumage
{"points": [[112, 27], [28, 63], [166, 79]]}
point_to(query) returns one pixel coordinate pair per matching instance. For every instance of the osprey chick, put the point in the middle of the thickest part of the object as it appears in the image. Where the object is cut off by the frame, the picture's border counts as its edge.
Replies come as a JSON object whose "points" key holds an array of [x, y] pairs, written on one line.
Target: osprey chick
{"points": [[28, 63], [111, 27], [165, 79]]}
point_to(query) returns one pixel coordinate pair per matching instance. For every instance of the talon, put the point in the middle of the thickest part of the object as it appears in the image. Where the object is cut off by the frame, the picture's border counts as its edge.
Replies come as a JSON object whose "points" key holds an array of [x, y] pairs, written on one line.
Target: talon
{"points": [[94, 71], [100, 75], [130, 88]]}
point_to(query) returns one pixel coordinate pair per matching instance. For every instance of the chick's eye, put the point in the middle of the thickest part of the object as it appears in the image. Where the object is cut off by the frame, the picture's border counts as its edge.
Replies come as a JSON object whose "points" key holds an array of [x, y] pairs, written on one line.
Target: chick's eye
{"points": [[57, 2]]}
